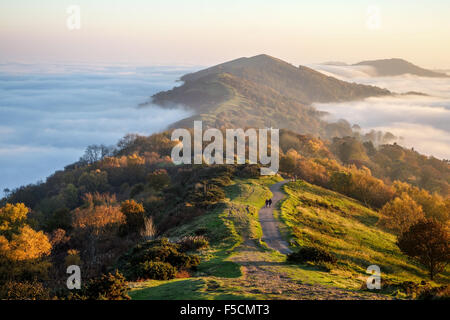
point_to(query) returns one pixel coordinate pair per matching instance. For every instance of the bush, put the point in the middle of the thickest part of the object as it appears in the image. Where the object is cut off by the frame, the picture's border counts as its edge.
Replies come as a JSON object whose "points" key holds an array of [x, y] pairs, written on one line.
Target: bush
{"points": [[138, 188], [14, 290], [438, 293], [249, 171], [311, 254], [207, 195], [155, 251], [192, 243], [201, 231], [157, 270], [108, 287], [135, 216], [158, 179], [409, 289]]}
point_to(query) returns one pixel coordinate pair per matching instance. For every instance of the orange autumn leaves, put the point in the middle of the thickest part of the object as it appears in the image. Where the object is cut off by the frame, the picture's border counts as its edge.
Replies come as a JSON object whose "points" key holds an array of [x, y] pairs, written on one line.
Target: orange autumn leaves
{"points": [[18, 241]]}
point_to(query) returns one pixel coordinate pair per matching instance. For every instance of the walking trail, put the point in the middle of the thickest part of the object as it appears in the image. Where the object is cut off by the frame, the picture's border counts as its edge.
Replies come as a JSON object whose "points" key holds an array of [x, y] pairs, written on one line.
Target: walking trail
{"points": [[263, 275], [271, 234]]}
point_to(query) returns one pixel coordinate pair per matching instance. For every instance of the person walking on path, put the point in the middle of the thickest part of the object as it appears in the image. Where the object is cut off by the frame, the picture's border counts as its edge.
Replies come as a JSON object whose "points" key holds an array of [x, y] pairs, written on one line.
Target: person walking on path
{"points": [[267, 203], [270, 202]]}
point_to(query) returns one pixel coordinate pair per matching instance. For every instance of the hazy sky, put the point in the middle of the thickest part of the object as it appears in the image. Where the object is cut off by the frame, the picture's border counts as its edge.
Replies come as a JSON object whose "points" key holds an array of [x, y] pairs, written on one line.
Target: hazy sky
{"points": [[204, 32]]}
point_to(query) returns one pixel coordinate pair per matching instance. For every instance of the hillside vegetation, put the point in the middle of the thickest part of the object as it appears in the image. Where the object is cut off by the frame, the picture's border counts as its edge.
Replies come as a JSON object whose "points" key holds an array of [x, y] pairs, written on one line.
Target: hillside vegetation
{"points": [[239, 266], [320, 217]]}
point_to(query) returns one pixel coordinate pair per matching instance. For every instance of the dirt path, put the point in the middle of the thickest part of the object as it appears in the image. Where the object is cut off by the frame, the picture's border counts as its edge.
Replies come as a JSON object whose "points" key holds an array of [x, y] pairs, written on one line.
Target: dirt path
{"points": [[269, 225], [263, 276]]}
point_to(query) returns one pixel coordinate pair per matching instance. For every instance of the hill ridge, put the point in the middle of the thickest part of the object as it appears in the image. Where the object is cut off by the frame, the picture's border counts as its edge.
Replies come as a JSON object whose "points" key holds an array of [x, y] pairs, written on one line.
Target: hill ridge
{"points": [[262, 91], [398, 66]]}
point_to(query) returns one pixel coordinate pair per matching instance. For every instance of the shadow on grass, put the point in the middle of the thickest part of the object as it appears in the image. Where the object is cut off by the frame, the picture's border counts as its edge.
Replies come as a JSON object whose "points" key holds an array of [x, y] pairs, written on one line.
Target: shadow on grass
{"points": [[232, 191], [174, 290], [189, 289], [228, 296], [218, 267]]}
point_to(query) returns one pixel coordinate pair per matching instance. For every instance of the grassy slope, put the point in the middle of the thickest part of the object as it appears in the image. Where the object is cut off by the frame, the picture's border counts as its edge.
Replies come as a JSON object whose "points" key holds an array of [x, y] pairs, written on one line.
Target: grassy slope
{"points": [[310, 215], [229, 225], [316, 216]]}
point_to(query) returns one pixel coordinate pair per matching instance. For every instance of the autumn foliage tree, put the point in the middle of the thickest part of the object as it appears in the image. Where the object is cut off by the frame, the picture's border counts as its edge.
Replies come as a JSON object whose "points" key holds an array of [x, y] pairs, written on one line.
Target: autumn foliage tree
{"points": [[135, 216], [158, 179], [428, 242], [400, 214], [22, 249]]}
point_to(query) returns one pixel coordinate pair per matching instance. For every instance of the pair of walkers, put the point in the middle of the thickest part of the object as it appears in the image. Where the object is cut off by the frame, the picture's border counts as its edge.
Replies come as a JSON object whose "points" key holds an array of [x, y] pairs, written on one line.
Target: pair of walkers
{"points": [[268, 203]]}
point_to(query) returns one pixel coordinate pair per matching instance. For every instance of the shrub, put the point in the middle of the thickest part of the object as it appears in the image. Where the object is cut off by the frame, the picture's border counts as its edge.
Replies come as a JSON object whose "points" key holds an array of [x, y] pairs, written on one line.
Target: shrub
{"points": [[206, 195], [108, 287], [192, 243], [14, 290], [135, 216], [161, 250], [138, 188], [311, 254], [157, 270], [409, 289], [249, 171], [201, 231], [158, 179], [184, 261], [437, 293]]}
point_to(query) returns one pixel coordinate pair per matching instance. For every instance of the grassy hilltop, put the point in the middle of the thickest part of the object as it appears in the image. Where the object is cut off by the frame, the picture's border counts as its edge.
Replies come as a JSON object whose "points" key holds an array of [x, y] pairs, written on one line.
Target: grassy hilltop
{"points": [[262, 91]]}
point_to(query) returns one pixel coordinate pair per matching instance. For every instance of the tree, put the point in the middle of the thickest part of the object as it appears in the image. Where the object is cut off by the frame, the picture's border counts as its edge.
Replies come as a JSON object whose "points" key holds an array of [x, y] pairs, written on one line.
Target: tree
{"points": [[27, 244], [70, 196], [158, 179], [428, 242], [21, 248], [135, 215], [400, 214], [12, 217], [94, 153], [95, 180]]}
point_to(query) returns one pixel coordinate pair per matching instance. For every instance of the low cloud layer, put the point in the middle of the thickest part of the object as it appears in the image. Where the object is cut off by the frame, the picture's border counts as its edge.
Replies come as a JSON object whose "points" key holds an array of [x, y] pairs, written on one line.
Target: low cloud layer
{"points": [[49, 114], [421, 121]]}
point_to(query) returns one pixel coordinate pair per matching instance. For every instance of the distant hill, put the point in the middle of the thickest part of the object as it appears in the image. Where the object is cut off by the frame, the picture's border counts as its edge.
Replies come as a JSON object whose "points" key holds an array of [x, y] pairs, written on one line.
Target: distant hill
{"points": [[334, 63], [396, 67], [263, 91]]}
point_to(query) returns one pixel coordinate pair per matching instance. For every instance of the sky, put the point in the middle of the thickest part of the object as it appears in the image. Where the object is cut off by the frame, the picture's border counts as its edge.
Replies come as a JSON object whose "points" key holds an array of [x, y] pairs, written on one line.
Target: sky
{"points": [[205, 32]]}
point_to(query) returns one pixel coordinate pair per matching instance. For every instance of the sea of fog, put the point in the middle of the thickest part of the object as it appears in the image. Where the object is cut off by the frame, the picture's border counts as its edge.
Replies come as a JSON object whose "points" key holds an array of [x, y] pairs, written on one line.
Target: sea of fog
{"points": [[422, 122], [50, 113]]}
